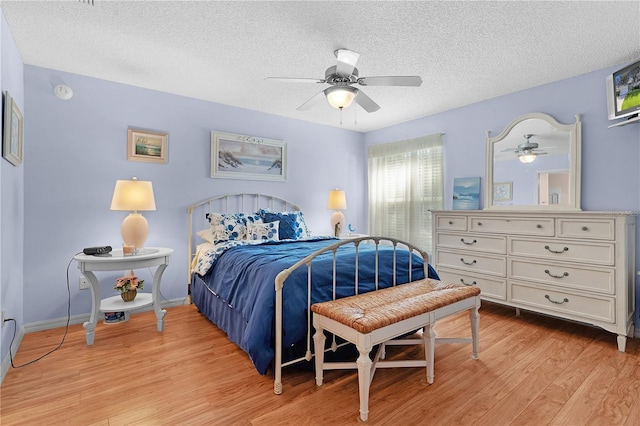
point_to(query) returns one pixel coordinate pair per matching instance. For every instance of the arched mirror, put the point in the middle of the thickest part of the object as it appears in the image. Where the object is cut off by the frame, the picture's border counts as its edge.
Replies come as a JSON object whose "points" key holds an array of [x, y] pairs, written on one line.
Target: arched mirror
{"points": [[534, 164]]}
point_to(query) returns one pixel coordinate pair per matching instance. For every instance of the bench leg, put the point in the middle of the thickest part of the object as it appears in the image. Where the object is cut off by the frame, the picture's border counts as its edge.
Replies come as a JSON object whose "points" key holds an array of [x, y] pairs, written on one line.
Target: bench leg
{"points": [[364, 381], [429, 338], [319, 340], [474, 317]]}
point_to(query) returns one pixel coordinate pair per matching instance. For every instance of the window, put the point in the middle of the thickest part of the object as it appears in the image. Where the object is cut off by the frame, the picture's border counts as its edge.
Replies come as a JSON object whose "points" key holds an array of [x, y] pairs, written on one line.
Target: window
{"points": [[405, 183]]}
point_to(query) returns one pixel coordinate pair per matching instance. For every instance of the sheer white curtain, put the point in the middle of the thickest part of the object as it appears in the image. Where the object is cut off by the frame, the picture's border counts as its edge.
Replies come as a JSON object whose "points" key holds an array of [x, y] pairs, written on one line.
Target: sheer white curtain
{"points": [[405, 182]]}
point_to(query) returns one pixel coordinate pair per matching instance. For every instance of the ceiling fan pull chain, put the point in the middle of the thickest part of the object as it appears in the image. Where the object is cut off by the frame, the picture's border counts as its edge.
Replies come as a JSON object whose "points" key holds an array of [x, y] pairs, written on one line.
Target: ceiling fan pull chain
{"points": [[341, 116]]}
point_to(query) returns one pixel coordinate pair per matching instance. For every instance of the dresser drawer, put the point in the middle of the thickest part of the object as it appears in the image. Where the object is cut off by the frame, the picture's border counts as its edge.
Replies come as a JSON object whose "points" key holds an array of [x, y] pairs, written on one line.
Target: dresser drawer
{"points": [[514, 225], [585, 307], [485, 243], [602, 280], [452, 223], [596, 229], [573, 251], [494, 288], [471, 261]]}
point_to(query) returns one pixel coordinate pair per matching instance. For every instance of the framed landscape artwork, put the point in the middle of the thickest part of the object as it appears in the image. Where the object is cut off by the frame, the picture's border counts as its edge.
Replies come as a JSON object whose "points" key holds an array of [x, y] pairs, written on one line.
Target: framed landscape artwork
{"points": [[466, 193], [247, 157], [147, 145], [13, 131]]}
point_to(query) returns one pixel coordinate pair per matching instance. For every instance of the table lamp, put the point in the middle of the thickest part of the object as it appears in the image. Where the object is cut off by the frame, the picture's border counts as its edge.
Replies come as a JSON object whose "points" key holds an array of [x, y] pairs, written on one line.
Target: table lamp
{"points": [[337, 201], [133, 195]]}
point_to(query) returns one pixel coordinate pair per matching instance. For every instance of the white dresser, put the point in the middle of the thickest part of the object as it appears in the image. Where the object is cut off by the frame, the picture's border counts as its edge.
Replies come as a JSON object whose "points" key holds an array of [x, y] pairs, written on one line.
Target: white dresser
{"points": [[579, 265]]}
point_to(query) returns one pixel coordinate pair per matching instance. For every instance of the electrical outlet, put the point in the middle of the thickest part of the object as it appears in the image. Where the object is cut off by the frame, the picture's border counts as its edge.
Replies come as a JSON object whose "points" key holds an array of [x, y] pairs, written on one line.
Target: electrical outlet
{"points": [[84, 283]]}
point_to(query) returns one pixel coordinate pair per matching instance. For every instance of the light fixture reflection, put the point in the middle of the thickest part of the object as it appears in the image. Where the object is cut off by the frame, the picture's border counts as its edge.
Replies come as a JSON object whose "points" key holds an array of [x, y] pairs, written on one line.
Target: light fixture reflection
{"points": [[527, 158]]}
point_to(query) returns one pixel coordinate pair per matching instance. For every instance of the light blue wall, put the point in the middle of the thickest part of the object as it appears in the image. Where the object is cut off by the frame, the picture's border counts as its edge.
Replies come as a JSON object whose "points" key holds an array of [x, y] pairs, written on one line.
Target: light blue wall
{"points": [[610, 157], [12, 198], [76, 151]]}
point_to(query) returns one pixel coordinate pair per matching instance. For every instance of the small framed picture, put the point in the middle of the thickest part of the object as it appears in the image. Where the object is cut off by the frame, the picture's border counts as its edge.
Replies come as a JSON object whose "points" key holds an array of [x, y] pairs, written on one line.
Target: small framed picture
{"points": [[466, 193], [13, 127], [247, 157], [147, 145], [502, 191]]}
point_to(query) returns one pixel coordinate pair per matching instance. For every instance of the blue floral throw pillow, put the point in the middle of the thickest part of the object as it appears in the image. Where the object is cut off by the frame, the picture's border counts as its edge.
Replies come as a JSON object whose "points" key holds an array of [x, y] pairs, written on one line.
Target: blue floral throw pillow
{"points": [[227, 227], [292, 224], [263, 231]]}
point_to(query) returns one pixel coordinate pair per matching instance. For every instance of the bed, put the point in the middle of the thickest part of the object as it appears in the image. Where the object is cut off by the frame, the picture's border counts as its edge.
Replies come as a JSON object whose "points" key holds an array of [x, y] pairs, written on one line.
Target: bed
{"points": [[255, 270]]}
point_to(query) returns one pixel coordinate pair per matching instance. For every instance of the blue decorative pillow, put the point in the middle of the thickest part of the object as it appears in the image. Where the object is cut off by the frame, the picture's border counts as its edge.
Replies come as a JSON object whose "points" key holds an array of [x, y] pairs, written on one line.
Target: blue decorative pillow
{"points": [[292, 224], [263, 231]]}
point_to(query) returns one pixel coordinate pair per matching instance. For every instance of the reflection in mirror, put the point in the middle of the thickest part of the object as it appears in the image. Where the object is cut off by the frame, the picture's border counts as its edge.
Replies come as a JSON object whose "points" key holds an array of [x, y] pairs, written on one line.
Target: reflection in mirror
{"points": [[534, 163]]}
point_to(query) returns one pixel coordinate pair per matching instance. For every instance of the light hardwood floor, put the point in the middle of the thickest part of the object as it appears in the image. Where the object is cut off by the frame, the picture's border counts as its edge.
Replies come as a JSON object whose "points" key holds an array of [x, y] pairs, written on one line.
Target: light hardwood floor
{"points": [[532, 370]]}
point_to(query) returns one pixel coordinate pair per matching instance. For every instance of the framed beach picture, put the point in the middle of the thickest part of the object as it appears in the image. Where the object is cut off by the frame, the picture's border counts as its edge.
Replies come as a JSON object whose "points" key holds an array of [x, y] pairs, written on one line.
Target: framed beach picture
{"points": [[13, 131], [247, 157], [147, 145], [466, 193]]}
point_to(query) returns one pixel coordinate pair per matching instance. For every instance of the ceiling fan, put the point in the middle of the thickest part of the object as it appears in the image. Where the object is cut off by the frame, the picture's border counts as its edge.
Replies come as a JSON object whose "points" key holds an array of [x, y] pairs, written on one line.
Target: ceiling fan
{"points": [[527, 151], [341, 78]]}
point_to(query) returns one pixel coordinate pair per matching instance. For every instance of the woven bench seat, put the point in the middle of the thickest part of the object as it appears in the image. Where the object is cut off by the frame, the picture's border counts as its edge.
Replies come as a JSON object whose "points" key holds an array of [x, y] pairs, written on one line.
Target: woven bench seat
{"points": [[377, 317]]}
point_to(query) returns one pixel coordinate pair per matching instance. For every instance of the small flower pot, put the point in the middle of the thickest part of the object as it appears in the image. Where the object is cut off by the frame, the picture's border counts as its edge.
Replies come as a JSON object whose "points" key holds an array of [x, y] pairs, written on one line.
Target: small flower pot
{"points": [[129, 295]]}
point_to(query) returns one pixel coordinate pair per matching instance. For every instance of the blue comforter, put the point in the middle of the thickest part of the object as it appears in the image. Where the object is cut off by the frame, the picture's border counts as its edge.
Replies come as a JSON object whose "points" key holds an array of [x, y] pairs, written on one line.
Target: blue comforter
{"points": [[244, 278]]}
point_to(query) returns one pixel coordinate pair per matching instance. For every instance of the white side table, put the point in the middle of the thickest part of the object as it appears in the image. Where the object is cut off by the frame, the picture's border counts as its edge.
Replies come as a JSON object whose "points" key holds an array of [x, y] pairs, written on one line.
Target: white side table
{"points": [[152, 256]]}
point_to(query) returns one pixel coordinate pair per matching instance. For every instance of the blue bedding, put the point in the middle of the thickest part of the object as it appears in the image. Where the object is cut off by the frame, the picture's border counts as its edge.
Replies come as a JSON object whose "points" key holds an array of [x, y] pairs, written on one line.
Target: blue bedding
{"points": [[242, 279]]}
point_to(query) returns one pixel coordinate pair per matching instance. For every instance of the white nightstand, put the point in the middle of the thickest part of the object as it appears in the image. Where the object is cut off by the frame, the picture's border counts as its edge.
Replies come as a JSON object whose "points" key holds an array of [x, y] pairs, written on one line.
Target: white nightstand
{"points": [[150, 257]]}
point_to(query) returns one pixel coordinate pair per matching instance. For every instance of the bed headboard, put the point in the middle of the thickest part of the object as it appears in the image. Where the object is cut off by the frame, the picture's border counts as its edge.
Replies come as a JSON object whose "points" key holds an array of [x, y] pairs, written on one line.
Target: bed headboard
{"points": [[228, 203]]}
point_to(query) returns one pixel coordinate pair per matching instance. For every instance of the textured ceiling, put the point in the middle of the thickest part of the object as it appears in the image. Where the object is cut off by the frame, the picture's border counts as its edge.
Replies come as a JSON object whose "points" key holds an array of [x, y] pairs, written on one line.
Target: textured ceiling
{"points": [[222, 52]]}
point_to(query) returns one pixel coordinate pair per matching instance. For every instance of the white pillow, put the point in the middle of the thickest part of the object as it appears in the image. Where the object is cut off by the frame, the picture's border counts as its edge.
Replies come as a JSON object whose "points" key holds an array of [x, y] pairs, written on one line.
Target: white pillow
{"points": [[263, 231], [206, 235]]}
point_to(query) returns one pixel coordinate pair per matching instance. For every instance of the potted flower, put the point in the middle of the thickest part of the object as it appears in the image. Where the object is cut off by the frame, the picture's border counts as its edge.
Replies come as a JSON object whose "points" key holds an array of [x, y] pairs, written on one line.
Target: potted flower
{"points": [[128, 286]]}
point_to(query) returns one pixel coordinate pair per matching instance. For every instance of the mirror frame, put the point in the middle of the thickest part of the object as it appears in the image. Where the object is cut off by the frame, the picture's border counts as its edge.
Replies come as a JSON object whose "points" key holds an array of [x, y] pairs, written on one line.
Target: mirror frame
{"points": [[575, 141]]}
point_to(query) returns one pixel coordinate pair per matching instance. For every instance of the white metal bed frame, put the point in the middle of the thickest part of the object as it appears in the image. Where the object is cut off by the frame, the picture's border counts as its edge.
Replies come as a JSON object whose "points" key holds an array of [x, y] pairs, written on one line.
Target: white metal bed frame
{"points": [[246, 202]]}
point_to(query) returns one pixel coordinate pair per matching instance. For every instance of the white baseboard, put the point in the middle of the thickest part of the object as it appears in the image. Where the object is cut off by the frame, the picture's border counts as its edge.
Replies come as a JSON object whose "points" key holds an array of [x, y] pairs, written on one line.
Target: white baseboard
{"points": [[6, 362], [62, 322]]}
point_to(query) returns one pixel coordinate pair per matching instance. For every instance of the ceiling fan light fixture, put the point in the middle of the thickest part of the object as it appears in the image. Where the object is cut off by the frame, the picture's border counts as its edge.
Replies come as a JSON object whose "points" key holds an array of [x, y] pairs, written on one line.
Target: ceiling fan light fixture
{"points": [[340, 97], [527, 157]]}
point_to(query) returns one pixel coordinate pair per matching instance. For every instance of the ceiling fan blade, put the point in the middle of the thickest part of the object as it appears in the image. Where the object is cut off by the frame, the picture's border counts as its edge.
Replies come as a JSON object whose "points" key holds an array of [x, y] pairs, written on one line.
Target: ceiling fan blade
{"points": [[406, 80], [366, 102], [296, 80], [347, 60], [311, 102]]}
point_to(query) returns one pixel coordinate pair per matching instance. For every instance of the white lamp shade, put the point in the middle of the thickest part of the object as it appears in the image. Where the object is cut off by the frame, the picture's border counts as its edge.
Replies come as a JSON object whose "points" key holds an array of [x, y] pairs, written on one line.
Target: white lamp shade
{"points": [[337, 200], [133, 195], [340, 97]]}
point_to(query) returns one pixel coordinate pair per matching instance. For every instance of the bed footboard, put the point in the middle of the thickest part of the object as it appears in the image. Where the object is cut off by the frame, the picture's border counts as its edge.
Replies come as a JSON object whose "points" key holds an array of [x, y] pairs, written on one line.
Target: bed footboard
{"points": [[281, 279]]}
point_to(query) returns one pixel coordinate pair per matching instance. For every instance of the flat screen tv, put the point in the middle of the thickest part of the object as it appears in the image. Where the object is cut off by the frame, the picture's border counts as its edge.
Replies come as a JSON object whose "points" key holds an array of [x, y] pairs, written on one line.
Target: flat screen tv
{"points": [[623, 92]]}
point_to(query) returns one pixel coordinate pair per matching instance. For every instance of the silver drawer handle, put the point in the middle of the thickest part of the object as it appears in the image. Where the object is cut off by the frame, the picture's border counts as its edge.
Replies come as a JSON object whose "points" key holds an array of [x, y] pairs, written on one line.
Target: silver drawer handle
{"points": [[467, 263], [557, 252], [462, 281], [546, 271], [546, 296], [469, 244]]}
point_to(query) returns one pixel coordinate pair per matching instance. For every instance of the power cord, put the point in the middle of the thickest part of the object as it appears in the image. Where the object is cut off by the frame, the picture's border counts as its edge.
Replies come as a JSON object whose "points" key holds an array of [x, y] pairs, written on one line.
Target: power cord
{"points": [[66, 329]]}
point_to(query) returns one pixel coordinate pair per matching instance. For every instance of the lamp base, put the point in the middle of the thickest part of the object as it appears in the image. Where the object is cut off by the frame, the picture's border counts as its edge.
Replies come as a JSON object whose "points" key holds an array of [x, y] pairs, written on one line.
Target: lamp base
{"points": [[134, 230], [337, 222]]}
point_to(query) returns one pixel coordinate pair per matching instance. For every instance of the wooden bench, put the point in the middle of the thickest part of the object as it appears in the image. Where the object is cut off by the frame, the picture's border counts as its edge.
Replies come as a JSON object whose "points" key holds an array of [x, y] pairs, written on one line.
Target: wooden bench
{"points": [[377, 317]]}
